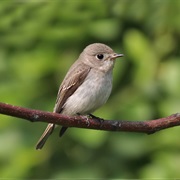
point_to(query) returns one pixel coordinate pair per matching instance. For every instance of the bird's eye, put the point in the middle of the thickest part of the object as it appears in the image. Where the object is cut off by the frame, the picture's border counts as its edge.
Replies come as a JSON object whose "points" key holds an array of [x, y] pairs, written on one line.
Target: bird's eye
{"points": [[100, 56]]}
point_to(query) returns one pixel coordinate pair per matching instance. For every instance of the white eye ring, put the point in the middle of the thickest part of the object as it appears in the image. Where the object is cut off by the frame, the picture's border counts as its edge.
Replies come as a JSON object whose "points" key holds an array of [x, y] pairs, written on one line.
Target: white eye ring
{"points": [[100, 56]]}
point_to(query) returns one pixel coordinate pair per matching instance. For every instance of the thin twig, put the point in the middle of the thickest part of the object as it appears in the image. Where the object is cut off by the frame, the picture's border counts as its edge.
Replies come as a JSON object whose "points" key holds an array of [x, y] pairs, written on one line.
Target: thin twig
{"points": [[148, 127]]}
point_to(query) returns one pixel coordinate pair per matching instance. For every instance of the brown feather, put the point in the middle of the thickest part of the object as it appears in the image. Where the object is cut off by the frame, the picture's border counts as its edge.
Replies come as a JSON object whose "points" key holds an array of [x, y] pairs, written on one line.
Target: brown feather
{"points": [[71, 82], [73, 79]]}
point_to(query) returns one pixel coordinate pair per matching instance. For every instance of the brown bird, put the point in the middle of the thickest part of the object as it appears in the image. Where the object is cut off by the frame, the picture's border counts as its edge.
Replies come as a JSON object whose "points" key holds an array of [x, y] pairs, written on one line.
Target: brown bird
{"points": [[86, 86]]}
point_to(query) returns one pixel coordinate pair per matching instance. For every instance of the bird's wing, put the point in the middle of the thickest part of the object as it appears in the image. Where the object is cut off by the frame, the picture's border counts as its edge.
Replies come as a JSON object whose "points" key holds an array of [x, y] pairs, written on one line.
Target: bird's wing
{"points": [[74, 78], [71, 82]]}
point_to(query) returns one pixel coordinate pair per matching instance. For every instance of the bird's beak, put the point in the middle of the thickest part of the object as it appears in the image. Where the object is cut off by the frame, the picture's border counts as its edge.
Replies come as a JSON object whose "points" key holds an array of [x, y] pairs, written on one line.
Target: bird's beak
{"points": [[114, 56]]}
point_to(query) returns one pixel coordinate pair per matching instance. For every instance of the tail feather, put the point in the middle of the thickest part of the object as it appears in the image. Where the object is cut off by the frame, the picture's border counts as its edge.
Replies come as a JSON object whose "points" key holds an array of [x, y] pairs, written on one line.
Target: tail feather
{"points": [[45, 136], [62, 131]]}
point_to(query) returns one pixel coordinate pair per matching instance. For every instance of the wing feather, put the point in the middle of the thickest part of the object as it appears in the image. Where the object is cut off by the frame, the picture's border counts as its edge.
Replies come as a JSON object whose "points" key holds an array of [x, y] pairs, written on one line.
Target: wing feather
{"points": [[72, 81], [74, 78]]}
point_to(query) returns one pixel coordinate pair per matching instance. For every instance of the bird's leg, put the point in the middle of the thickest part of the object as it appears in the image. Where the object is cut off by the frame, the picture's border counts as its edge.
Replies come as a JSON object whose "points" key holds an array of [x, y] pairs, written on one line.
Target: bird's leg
{"points": [[85, 116], [100, 120], [93, 116]]}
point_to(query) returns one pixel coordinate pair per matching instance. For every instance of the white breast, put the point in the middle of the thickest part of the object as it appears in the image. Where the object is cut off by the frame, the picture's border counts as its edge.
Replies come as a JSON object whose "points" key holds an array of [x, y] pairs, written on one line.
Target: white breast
{"points": [[92, 94]]}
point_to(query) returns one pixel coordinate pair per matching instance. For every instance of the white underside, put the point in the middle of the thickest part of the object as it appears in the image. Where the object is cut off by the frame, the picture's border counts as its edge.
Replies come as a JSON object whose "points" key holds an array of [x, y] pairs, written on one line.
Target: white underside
{"points": [[91, 95]]}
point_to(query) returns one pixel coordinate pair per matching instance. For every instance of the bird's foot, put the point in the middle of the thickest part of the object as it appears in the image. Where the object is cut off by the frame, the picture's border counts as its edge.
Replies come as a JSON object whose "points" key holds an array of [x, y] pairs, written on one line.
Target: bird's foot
{"points": [[100, 120], [86, 118]]}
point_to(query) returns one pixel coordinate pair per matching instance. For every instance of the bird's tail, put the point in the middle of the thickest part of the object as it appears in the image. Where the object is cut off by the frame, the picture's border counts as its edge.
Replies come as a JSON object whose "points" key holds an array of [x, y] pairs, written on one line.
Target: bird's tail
{"points": [[48, 131], [62, 131]]}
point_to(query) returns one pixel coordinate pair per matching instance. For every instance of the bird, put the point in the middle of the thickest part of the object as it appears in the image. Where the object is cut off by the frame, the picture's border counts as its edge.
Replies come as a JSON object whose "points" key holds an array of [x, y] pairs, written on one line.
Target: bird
{"points": [[86, 86]]}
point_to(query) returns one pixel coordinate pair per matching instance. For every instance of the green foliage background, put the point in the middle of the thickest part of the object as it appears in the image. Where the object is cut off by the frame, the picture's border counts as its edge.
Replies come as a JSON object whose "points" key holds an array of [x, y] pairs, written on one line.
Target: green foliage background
{"points": [[39, 40]]}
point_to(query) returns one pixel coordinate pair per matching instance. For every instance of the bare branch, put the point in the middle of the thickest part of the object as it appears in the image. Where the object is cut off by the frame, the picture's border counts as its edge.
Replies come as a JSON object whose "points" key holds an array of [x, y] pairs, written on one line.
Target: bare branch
{"points": [[148, 127]]}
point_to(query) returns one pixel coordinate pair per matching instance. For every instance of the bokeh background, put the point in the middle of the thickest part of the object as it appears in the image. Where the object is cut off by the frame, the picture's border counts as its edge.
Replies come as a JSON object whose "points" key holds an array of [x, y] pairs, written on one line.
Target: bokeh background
{"points": [[39, 40]]}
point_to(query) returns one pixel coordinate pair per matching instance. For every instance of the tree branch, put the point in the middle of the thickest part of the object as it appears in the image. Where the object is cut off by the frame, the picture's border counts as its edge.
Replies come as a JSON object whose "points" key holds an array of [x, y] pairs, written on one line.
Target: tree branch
{"points": [[148, 127]]}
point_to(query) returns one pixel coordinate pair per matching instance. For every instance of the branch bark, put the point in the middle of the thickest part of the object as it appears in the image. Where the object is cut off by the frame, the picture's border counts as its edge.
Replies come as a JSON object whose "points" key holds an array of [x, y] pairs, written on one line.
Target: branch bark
{"points": [[148, 127]]}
